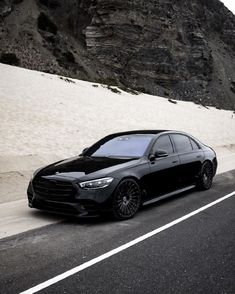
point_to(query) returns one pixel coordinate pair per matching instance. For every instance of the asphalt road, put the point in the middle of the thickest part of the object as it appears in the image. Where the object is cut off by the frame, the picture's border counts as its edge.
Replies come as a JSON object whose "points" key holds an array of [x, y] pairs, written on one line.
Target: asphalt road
{"points": [[193, 256]]}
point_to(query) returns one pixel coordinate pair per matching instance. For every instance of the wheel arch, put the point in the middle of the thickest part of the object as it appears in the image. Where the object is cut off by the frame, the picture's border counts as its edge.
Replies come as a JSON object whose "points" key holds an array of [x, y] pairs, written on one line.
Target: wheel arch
{"points": [[133, 177]]}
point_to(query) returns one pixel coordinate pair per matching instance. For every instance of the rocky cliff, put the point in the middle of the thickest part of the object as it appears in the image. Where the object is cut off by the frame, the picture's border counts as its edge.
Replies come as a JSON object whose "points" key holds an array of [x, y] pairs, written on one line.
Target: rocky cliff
{"points": [[173, 48]]}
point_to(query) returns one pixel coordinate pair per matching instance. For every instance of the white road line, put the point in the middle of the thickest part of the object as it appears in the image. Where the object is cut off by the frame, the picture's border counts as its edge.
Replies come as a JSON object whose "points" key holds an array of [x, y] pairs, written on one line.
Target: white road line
{"points": [[108, 254]]}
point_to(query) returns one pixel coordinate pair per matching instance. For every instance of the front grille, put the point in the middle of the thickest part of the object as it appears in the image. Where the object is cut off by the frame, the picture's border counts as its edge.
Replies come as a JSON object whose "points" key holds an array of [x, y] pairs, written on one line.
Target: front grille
{"points": [[55, 207], [56, 190]]}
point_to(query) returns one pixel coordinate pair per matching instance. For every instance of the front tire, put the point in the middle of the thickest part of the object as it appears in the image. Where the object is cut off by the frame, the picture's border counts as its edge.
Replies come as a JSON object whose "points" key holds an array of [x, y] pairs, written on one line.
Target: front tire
{"points": [[126, 199], [206, 176]]}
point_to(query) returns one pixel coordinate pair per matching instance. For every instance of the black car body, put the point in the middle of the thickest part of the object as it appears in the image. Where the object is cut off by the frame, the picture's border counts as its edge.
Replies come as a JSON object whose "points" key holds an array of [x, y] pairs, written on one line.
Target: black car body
{"points": [[123, 171]]}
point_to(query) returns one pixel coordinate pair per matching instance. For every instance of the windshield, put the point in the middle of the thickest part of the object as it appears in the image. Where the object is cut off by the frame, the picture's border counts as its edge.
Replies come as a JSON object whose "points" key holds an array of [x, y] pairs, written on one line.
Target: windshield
{"points": [[124, 146]]}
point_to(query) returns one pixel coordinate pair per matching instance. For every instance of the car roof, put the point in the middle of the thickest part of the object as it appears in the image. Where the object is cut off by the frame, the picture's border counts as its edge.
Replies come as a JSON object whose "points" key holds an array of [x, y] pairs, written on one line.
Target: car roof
{"points": [[140, 132], [149, 132]]}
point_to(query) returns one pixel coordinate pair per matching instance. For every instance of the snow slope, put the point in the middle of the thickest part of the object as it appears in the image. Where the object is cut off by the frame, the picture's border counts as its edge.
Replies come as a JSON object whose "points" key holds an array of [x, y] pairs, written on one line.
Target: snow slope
{"points": [[47, 114]]}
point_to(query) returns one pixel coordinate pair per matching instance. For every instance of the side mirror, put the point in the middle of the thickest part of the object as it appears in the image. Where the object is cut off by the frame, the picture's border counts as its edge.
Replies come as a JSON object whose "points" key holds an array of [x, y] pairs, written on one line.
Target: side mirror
{"points": [[83, 151], [160, 153]]}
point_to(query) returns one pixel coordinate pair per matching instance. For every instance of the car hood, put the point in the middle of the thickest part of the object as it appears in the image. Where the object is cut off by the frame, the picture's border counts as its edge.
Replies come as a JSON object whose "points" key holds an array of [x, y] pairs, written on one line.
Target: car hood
{"points": [[86, 167]]}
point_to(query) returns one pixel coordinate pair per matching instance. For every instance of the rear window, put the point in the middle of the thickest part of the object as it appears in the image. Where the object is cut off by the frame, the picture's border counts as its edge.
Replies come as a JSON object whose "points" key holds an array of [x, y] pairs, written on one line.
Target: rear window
{"points": [[182, 143], [194, 144]]}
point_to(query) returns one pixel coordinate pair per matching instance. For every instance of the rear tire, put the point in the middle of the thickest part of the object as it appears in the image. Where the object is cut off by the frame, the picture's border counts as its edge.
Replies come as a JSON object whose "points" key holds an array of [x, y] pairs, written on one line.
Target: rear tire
{"points": [[126, 199], [206, 176]]}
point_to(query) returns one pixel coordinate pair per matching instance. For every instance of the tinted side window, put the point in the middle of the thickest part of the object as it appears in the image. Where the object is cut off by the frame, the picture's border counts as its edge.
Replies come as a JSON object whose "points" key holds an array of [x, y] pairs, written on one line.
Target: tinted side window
{"points": [[182, 143], [163, 143], [194, 144]]}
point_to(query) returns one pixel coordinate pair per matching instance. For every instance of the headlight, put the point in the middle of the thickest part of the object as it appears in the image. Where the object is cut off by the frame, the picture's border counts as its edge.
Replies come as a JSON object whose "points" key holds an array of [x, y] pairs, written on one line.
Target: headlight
{"points": [[96, 184]]}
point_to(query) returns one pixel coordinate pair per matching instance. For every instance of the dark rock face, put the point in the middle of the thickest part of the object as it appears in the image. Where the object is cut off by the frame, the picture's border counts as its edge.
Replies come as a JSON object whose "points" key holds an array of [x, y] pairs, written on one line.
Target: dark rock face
{"points": [[9, 58], [5, 8], [176, 48], [157, 45], [52, 4], [45, 24]]}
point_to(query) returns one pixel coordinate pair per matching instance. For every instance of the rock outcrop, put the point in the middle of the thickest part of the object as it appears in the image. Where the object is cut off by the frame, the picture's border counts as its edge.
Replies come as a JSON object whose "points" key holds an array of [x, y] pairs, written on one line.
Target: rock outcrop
{"points": [[174, 48]]}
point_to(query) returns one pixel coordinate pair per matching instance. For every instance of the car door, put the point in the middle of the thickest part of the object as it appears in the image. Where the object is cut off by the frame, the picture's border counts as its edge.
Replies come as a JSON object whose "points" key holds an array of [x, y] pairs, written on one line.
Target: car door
{"points": [[191, 158], [163, 171]]}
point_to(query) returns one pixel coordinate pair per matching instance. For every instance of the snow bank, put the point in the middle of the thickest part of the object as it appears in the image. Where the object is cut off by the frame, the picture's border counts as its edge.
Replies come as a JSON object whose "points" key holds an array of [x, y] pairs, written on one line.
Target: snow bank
{"points": [[47, 114]]}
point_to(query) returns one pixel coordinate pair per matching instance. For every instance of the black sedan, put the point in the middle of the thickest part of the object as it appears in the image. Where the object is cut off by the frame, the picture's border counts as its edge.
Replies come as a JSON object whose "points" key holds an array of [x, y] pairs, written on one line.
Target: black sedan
{"points": [[123, 171]]}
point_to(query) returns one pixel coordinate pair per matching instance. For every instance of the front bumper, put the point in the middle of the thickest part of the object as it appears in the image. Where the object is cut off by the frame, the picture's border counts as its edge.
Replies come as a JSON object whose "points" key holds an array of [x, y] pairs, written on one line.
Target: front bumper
{"points": [[83, 203]]}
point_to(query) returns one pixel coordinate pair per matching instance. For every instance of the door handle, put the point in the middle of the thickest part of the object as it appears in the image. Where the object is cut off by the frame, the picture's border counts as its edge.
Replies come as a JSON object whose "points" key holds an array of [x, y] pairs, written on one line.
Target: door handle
{"points": [[199, 156], [175, 161]]}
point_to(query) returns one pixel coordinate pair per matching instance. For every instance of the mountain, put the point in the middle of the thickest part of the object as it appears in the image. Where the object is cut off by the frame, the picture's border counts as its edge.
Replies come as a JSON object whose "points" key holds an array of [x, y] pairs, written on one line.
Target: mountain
{"points": [[173, 48]]}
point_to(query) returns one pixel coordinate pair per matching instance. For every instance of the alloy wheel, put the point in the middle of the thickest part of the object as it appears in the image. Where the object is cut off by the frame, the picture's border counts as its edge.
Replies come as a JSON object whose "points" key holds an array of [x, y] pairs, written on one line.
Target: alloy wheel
{"points": [[126, 199]]}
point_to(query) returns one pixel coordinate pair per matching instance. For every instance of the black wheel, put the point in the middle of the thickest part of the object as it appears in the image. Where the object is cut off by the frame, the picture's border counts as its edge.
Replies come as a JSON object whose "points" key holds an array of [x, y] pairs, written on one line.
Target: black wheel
{"points": [[206, 176], [126, 199]]}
